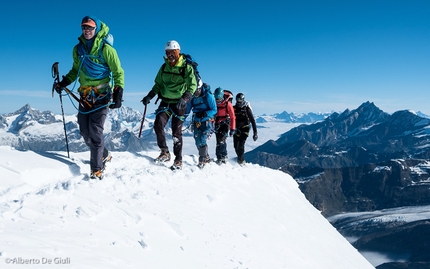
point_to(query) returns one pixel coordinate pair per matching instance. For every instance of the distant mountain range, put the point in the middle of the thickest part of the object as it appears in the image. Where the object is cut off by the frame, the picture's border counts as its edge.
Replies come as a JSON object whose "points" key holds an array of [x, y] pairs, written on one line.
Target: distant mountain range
{"points": [[310, 117], [30, 129], [292, 117], [390, 152], [362, 160], [22, 129]]}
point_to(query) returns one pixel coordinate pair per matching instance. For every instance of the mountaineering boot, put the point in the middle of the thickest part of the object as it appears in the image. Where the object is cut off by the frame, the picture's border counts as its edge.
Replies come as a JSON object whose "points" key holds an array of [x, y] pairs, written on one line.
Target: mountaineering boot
{"points": [[177, 165], [204, 156], [96, 175], [107, 157], [164, 156], [204, 160], [221, 161], [241, 162]]}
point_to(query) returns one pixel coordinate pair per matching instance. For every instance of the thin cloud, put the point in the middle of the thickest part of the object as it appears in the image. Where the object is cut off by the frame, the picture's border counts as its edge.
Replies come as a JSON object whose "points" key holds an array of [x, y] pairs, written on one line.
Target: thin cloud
{"points": [[25, 93]]}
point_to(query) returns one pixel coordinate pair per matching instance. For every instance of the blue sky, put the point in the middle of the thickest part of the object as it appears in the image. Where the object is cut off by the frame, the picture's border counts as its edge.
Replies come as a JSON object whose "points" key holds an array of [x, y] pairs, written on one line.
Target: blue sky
{"points": [[294, 56]]}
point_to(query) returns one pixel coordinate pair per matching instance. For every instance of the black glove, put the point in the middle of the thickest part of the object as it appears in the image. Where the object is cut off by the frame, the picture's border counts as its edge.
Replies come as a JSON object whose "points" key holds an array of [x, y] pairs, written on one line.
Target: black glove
{"points": [[57, 88], [62, 84], [232, 132], [182, 103], [255, 136], [117, 97], [146, 100]]}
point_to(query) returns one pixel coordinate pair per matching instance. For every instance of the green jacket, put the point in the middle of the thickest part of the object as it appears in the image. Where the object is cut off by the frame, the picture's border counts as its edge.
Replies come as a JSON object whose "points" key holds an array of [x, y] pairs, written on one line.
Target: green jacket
{"points": [[169, 83], [110, 55]]}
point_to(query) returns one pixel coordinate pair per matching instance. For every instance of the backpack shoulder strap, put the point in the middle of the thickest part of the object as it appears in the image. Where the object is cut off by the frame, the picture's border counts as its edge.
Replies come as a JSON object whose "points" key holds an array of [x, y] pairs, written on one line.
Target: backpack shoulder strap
{"points": [[107, 40], [245, 109], [181, 72]]}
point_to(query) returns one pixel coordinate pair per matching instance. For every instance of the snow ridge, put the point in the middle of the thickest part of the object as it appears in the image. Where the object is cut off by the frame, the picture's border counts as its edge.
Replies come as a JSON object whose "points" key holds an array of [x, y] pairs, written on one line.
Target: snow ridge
{"points": [[143, 215]]}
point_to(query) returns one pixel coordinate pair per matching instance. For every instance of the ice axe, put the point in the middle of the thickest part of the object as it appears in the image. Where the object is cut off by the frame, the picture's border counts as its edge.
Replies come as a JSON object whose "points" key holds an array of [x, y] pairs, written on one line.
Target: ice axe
{"points": [[143, 120]]}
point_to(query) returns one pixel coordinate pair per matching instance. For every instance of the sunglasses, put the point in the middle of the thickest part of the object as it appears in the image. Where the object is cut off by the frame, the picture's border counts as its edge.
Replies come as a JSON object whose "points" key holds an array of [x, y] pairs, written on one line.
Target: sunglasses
{"points": [[86, 27], [170, 52]]}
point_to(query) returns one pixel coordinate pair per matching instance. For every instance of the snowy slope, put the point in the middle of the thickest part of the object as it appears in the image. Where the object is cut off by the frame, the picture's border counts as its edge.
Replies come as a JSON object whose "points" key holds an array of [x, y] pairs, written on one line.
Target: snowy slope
{"points": [[146, 216]]}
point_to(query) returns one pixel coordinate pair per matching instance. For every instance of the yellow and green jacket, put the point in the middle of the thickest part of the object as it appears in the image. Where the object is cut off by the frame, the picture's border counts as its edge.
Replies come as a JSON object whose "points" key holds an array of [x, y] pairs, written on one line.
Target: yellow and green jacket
{"points": [[110, 57]]}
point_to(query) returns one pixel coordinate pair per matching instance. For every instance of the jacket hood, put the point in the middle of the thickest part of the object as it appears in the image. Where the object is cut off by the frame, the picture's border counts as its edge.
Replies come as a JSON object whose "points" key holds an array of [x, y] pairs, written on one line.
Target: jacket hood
{"points": [[102, 31], [93, 18]]}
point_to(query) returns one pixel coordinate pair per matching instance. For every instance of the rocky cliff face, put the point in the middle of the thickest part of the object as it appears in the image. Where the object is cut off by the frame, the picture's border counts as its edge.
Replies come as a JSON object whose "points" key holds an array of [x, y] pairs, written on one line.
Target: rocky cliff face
{"points": [[366, 187]]}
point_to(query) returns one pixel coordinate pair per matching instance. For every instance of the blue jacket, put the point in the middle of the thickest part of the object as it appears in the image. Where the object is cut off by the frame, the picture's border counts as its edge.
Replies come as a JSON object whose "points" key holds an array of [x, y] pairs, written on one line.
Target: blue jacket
{"points": [[203, 103]]}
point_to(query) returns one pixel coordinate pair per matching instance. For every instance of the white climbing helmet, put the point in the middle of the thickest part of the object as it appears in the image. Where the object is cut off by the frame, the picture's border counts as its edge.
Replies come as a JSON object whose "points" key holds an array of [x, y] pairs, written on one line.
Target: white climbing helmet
{"points": [[172, 45]]}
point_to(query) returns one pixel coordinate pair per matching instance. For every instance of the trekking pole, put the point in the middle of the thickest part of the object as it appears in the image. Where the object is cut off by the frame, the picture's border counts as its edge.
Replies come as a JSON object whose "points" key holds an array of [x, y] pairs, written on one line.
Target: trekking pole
{"points": [[143, 120], [56, 76], [55, 66]]}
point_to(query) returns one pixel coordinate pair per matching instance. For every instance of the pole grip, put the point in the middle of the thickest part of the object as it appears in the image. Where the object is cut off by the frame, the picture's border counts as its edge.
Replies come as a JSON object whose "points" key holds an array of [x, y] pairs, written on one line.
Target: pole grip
{"points": [[55, 76], [55, 68]]}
